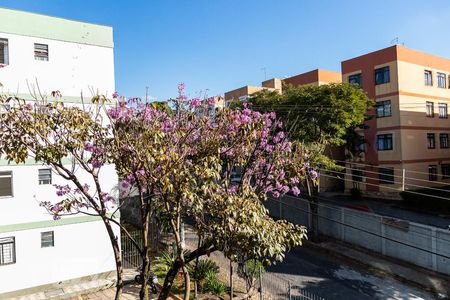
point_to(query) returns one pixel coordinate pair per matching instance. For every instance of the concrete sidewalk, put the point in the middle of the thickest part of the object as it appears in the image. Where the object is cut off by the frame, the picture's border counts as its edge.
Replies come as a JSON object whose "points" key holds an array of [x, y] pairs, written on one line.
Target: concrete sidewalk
{"points": [[425, 279], [91, 289]]}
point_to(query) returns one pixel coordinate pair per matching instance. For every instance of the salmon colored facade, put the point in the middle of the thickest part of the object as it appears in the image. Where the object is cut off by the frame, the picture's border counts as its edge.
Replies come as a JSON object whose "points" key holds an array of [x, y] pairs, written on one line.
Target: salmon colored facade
{"points": [[316, 77], [407, 139]]}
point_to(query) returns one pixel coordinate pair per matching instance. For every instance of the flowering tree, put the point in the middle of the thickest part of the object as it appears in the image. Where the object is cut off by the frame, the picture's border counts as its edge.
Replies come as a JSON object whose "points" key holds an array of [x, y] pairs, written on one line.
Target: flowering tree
{"points": [[216, 172], [65, 138]]}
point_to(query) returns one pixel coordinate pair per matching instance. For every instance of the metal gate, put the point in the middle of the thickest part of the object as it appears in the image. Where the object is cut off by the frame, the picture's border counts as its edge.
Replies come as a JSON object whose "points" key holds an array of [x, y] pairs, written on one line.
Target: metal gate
{"points": [[131, 258]]}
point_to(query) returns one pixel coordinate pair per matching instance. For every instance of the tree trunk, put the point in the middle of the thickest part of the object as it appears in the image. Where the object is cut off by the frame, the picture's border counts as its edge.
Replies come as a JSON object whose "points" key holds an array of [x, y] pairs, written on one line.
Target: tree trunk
{"points": [[118, 258], [231, 279], [143, 293], [168, 281], [187, 283], [313, 210]]}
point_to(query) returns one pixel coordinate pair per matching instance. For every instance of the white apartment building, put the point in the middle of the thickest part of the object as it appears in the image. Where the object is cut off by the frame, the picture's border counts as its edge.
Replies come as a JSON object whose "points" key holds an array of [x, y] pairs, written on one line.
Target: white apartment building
{"points": [[41, 54]]}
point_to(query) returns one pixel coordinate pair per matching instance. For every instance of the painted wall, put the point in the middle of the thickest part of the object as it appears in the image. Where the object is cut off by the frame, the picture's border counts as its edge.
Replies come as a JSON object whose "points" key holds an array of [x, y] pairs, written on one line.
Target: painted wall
{"points": [[80, 250], [72, 68]]}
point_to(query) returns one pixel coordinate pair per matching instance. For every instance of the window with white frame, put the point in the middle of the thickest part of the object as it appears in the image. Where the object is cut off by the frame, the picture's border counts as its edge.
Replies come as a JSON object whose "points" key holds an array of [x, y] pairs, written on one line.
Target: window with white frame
{"points": [[445, 171], [431, 142], [7, 251], [382, 75], [383, 109], [355, 79], [443, 139], [6, 184], [428, 76], [443, 114], [4, 55], [384, 142], [47, 239], [45, 176], [442, 80], [430, 109], [432, 172], [41, 52]]}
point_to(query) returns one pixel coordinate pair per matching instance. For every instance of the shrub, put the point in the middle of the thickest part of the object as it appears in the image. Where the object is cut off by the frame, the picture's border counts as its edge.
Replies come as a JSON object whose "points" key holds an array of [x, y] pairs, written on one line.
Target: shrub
{"points": [[164, 261], [213, 285], [204, 266]]}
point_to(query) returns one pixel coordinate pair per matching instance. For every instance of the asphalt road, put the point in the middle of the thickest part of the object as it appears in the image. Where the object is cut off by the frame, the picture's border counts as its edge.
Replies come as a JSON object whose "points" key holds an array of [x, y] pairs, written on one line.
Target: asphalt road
{"points": [[328, 278]]}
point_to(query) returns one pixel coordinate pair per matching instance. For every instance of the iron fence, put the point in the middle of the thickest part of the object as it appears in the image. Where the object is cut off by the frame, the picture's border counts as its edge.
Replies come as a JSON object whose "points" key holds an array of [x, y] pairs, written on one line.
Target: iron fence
{"points": [[131, 257]]}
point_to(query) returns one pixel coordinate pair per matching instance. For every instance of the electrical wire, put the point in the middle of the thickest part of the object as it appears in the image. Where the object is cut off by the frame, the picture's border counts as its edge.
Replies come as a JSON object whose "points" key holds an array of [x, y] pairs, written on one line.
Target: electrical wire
{"points": [[367, 231], [363, 217]]}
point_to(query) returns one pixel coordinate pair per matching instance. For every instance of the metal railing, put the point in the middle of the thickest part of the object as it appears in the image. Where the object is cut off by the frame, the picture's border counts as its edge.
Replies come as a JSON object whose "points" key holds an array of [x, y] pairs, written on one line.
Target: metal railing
{"points": [[131, 258], [273, 287]]}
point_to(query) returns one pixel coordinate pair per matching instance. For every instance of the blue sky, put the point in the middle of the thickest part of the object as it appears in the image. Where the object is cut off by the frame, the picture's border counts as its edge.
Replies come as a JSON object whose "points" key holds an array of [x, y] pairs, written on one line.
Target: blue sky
{"points": [[224, 44]]}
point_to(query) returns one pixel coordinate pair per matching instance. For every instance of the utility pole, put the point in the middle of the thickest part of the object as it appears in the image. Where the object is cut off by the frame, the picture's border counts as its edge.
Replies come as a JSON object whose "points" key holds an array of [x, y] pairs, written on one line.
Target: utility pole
{"points": [[146, 94]]}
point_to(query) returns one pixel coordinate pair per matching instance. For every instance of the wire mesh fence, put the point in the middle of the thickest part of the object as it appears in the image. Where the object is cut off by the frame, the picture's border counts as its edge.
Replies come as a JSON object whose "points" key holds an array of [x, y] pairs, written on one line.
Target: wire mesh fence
{"points": [[273, 287]]}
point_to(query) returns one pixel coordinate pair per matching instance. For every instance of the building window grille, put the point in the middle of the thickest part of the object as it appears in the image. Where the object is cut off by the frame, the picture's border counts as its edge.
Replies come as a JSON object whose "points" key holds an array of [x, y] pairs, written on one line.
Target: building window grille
{"points": [[6, 182], [428, 76], [445, 171], [7, 251], [45, 176], [4, 54], [386, 175], [41, 52], [382, 75], [47, 239], [383, 109], [443, 114], [442, 80], [430, 109], [432, 172], [355, 79], [431, 143], [443, 139], [384, 142]]}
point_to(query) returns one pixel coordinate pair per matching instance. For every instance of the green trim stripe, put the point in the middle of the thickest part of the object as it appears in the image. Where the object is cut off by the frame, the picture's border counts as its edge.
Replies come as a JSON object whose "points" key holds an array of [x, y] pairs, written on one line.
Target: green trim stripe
{"points": [[49, 223], [47, 27]]}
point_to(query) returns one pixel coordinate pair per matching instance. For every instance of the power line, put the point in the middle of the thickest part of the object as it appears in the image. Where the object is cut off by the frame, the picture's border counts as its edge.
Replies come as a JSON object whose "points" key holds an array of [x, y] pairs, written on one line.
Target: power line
{"points": [[367, 231], [362, 217], [393, 175], [373, 166], [391, 188]]}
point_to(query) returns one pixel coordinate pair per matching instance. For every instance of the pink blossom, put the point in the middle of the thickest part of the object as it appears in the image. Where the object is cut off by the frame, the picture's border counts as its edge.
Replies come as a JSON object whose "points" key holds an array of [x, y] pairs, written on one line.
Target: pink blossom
{"points": [[295, 191], [196, 102], [115, 95], [211, 101], [314, 174]]}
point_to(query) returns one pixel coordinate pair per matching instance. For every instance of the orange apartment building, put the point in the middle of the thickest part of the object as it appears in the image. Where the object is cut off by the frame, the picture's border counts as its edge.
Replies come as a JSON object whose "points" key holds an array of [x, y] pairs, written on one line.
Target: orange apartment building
{"points": [[315, 77], [407, 142]]}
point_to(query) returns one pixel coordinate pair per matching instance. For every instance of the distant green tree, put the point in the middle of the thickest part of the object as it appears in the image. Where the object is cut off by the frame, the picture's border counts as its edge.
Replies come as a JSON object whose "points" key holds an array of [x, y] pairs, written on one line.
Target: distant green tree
{"points": [[322, 114]]}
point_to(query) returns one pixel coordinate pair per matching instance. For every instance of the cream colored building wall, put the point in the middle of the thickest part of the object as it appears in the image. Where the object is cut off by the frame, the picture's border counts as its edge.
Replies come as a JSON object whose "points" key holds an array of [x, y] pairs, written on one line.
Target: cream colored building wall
{"points": [[394, 119], [413, 112], [414, 145], [411, 80], [392, 85], [396, 152]]}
